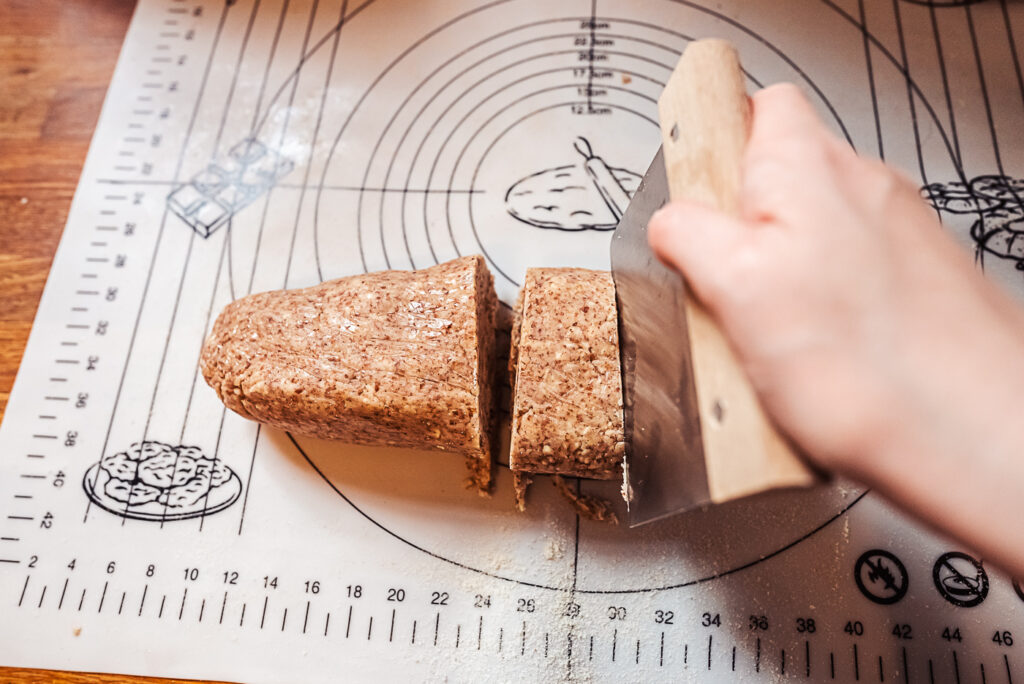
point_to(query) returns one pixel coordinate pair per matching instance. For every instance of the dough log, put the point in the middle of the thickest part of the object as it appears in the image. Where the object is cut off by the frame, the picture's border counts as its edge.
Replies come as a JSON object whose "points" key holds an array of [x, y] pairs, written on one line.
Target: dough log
{"points": [[395, 358]]}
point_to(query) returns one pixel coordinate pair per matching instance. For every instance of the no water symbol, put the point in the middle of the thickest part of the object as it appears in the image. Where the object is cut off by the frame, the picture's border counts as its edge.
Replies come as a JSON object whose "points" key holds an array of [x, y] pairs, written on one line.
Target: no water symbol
{"points": [[960, 579]]}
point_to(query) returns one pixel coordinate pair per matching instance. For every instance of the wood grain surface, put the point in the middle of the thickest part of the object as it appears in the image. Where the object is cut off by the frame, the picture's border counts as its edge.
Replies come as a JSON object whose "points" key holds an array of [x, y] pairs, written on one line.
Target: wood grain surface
{"points": [[56, 60]]}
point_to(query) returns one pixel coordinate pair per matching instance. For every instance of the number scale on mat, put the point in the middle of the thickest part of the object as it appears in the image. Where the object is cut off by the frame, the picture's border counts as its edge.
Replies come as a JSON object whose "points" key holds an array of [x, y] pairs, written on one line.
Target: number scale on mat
{"points": [[259, 144]]}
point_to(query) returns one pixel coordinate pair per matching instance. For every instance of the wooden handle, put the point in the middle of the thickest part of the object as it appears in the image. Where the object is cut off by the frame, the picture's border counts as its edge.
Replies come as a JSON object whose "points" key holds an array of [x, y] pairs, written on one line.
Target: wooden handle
{"points": [[705, 123]]}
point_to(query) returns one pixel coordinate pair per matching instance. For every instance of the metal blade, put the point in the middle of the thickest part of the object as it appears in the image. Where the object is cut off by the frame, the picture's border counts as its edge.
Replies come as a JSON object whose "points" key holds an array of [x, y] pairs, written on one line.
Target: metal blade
{"points": [[664, 466]]}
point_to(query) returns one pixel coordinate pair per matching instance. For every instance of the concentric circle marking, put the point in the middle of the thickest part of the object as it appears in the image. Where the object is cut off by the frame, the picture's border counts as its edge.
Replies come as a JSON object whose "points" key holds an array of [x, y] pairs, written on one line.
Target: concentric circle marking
{"points": [[453, 216]]}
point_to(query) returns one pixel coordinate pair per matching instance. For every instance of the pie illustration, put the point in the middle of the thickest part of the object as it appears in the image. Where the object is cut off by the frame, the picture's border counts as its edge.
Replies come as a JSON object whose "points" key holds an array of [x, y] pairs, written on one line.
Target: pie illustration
{"points": [[157, 481], [581, 196]]}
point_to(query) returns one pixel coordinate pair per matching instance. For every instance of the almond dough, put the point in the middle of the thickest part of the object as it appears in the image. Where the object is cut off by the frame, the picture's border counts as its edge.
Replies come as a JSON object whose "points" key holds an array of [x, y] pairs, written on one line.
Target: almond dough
{"points": [[567, 388], [395, 358]]}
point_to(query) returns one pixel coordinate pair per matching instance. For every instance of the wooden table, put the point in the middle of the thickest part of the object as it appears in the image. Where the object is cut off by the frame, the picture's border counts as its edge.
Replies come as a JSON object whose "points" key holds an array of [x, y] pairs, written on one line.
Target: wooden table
{"points": [[56, 60]]}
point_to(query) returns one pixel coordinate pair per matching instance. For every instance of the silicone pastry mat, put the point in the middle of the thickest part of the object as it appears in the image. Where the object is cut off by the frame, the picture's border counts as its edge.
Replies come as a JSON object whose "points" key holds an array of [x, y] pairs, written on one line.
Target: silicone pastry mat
{"points": [[260, 144]]}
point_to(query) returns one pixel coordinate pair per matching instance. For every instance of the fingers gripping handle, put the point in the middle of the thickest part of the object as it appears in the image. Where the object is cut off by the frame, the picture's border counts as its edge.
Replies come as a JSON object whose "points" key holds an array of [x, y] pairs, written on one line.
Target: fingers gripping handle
{"points": [[705, 123]]}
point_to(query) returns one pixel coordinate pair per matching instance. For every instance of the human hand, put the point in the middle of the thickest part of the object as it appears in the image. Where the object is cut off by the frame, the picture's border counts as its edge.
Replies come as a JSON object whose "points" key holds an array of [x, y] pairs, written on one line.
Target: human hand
{"points": [[871, 339]]}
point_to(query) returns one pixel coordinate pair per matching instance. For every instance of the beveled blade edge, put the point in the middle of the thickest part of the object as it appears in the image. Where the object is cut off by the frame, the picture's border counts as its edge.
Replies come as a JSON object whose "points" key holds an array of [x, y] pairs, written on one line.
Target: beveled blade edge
{"points": [[663, 469]]}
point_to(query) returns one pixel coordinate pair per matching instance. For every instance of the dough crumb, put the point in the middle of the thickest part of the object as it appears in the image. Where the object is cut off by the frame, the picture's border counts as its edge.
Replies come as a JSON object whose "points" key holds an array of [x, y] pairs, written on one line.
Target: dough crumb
{"points": [[588, 507], [520, 483]]}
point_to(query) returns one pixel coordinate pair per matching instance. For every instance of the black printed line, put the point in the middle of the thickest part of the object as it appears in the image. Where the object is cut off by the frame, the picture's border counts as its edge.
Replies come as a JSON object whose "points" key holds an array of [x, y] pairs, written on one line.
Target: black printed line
{"points": [[266, 69], [880, 47], [248, 480], [216, 457], [590, 56], [984, 90], [945, 83], [226, 249], [575, 576], [159, 376], [306, 56], [63, 592], [386, 190], [316, 134], [910, 93], [24, 588], [159, 239], [1013, 52], [226, 237]]}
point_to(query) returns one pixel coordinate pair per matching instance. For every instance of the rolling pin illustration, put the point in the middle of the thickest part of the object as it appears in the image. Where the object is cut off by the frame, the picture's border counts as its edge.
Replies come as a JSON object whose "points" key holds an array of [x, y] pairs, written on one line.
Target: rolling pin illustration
{"points": [[612, 192]]}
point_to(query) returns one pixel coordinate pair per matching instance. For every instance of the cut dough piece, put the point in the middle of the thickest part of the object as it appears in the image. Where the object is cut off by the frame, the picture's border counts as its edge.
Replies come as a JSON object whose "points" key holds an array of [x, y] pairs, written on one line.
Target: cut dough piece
{"points": [[567, 406], [395, 358]]}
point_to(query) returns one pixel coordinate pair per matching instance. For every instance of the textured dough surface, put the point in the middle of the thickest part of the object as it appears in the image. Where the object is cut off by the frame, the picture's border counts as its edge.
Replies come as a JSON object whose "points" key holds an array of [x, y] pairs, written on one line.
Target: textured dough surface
{"points": [[567, 407], [394, 358]]}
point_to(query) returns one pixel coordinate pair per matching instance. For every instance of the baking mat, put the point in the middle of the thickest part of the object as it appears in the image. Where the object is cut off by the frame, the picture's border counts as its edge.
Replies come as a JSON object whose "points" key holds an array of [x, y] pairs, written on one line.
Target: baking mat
{"points": [[260, 144]]}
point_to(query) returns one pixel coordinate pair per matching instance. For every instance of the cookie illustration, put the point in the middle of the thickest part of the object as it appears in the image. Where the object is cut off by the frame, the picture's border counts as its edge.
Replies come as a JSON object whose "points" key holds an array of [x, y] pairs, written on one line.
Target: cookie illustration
{"points": [[156, 481]]}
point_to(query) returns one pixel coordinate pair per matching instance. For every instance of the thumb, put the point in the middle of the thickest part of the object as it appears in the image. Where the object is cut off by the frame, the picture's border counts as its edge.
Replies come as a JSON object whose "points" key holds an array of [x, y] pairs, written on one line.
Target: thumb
{"points": [[698, 242]]}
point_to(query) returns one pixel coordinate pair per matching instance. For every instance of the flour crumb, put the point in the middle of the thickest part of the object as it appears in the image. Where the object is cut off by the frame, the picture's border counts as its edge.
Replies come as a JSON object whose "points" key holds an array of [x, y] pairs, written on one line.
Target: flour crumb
{"points": [[554, 549]]}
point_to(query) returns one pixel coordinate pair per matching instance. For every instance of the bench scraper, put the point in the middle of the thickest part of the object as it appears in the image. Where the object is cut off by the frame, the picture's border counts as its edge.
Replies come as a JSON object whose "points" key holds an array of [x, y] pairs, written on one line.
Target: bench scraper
{"points": [[695, 432]]}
